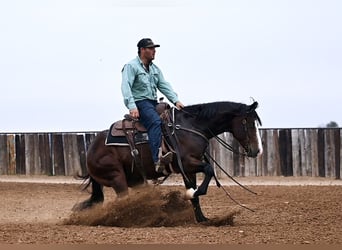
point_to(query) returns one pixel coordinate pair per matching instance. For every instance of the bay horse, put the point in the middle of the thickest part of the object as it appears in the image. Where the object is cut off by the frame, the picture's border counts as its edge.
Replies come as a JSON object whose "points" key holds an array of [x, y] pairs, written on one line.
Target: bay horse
{"points": [[190, 129]]}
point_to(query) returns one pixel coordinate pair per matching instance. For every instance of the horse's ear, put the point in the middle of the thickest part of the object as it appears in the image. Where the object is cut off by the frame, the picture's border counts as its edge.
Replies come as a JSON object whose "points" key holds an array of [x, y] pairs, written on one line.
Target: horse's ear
{"points": [[253, 106]]}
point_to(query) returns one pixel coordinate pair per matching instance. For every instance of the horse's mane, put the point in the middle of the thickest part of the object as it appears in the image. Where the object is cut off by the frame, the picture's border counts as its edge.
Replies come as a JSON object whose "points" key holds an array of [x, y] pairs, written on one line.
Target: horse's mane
{"points": [[206, 111]]}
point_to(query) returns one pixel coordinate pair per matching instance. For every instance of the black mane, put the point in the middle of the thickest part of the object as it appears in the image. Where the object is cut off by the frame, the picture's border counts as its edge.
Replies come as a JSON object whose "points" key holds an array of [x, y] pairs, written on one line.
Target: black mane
{"points": [[207, 111]]}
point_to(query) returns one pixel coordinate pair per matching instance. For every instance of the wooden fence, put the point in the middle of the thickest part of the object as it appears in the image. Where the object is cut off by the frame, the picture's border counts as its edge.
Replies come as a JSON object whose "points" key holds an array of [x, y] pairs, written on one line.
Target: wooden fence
{"points": [[286, 152], [44, 153]]}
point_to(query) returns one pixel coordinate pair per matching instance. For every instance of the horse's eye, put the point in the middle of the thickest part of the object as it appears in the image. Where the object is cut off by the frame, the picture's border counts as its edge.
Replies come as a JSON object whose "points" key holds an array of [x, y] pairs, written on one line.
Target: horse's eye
{"points": [[244, 121]]}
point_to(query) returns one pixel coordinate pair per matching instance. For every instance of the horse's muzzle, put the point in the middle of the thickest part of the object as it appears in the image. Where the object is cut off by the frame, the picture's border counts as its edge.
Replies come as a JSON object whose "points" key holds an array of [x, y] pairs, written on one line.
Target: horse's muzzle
{"points": [[254, 153]]}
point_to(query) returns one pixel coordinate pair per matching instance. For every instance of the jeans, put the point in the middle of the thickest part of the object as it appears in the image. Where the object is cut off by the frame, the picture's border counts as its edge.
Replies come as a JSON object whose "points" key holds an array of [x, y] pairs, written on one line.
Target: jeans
{"points": [[152, 122]]}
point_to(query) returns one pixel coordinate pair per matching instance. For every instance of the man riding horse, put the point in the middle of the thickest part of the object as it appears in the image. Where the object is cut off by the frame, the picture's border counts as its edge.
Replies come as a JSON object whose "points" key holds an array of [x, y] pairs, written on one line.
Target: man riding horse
{"points": [[189, 130], [140, 80]]}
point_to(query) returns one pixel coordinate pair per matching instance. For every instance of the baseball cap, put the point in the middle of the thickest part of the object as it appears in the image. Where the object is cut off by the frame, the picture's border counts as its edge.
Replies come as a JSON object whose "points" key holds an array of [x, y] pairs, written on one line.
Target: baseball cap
{"points": [[147, 43]]}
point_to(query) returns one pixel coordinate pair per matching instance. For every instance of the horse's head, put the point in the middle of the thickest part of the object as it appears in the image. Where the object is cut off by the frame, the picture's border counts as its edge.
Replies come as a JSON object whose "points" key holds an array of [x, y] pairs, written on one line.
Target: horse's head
{"points": [[245, 130]]}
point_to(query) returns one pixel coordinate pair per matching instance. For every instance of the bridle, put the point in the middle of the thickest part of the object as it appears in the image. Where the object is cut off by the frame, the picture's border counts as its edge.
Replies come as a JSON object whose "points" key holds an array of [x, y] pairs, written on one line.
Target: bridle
{"points": [[229, 147], [207, 155], [172, 124], [246, 126]]}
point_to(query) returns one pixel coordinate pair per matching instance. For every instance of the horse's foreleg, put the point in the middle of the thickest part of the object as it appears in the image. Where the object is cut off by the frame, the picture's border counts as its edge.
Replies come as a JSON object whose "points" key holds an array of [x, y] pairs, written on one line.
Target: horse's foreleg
{"points": [[197, 210], [203, 188], [119, 184], [193, 193], [195, 200], [97, 192]]}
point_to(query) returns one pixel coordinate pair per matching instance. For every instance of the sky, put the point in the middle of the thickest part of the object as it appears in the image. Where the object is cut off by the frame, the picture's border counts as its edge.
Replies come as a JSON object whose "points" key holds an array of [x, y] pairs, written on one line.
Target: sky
{"points": [[61, 60]]}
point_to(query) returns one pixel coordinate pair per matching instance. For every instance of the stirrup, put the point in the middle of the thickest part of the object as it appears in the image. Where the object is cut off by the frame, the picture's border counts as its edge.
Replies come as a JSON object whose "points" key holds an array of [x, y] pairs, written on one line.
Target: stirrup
{"points": [[160, 168], [166, 158]]}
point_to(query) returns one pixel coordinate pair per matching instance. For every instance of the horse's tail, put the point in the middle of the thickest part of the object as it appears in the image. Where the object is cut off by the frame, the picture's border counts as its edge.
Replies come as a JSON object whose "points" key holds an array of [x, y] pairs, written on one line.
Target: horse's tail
{"points": [[86, 180]]}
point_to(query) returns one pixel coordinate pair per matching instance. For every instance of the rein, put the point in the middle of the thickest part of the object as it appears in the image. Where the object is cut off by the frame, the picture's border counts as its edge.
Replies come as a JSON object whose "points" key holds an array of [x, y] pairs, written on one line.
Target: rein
{"points": [[226, 145], [222, 142], [172, 134], [207, 155]]}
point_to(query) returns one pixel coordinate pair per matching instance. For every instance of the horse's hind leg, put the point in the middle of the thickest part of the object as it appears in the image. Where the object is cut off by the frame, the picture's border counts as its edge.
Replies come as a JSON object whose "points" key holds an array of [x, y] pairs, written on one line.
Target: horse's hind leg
{"points": [[95, 198]]}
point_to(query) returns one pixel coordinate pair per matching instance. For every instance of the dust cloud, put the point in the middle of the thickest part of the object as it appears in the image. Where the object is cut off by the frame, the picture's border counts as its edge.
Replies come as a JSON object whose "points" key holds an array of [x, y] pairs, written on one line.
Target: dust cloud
{"points": [[145, 207]]}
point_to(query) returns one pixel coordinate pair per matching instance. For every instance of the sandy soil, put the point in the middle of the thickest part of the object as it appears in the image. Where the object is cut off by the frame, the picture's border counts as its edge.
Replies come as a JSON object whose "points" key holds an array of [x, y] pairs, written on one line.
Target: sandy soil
{"points": [[286, 210]]}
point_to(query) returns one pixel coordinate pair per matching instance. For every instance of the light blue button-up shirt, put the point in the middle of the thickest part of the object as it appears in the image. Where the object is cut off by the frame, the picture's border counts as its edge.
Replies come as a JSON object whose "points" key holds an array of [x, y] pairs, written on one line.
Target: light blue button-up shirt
{"points": [[140, 84]]}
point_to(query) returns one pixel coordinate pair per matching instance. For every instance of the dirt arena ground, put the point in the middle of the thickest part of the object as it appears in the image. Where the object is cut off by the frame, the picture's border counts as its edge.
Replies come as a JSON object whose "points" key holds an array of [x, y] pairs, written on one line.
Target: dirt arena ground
{"points": [[286, 211]]}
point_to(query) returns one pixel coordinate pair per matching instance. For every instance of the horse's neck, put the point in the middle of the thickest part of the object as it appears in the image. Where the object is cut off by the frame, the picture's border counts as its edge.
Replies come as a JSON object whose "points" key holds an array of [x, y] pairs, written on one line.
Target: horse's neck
{"points": [[218, 125], [209, 128]]}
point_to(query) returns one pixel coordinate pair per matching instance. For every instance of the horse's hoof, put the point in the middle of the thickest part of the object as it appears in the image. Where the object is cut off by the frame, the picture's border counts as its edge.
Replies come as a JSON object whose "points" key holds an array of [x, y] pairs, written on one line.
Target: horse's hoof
{"points": [[79, 207], [189, 193], [203, 220]]}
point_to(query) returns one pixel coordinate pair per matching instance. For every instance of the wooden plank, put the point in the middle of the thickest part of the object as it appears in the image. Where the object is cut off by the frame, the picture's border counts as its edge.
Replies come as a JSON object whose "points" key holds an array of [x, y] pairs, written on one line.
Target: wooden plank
{"points": [[329, 153], [285, 152], [221, 155], [45, 154], [71, 156], [321, 152], [57, 154], [32, 162], [20, 154], [29, 159], [273, 161], [289, 159], [68, 153], [82, 153], [11, 154], [270, 151], [218, 152], [89, 139], [308, 153], [239, 159], [213, 148], [228, 156], [314, 152], [302, 152], [276, 153], [236, 158], [263, 165], [305, 152], [242, 164], [250, 166], [337, 143], [296, 152], [3, 154]]}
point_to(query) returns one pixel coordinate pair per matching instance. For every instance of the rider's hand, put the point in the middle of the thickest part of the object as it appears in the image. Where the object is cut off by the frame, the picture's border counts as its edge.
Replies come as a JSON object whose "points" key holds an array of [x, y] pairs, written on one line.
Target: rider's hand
{"points": [[134, 113], [179, 105]]}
